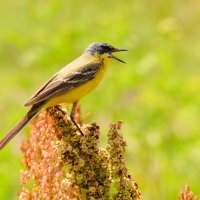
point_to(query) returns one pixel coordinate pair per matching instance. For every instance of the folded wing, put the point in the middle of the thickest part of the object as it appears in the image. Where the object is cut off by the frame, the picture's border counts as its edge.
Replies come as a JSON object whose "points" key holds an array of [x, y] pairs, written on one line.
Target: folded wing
{"points": [[64, 82]]}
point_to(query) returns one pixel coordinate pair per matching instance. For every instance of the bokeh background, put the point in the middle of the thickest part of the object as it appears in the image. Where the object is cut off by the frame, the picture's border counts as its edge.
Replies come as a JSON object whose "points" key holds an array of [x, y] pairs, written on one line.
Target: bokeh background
{"points": [[156, 94]]}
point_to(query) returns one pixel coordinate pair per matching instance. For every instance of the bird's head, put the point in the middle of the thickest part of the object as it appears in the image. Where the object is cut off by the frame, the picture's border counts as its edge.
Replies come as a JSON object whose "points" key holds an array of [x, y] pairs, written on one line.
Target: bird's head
{"points": [[103, 50]]}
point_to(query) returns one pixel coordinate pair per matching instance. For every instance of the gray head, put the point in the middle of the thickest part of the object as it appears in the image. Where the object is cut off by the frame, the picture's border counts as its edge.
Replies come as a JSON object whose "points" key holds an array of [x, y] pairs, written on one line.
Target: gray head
{"points": [[102, 48]]}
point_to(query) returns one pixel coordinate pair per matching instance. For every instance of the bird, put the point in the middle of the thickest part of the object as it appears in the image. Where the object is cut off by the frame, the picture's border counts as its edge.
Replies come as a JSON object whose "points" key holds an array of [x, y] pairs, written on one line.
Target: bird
{"points": [[69, 85]]}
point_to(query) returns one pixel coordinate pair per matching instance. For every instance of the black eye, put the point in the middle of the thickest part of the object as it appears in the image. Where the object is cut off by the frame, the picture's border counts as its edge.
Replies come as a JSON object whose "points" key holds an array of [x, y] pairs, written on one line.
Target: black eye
{"points": [[106, 48]]}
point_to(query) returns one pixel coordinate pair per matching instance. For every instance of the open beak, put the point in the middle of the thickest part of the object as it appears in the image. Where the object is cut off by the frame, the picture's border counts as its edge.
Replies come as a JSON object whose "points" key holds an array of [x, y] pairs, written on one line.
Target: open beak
{"points": [[116, 50]]}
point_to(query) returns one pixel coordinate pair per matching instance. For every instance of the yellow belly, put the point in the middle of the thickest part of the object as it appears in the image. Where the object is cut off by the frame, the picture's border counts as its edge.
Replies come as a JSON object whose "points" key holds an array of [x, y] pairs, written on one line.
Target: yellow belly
{"points": [[77, 93]]}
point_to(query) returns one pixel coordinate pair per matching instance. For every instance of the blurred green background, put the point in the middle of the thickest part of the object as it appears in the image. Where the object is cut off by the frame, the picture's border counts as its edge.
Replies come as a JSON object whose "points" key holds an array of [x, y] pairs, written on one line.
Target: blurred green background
{"points": [[156, 94]]}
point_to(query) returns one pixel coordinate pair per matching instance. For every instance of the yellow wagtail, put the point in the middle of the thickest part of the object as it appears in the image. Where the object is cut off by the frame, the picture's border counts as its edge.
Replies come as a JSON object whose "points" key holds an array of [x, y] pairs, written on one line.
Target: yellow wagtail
{"points": [[70, 84]]}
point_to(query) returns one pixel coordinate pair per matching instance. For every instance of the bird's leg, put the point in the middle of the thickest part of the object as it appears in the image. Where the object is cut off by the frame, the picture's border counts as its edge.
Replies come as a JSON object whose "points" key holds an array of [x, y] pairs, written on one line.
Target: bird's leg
{"points": [[72, 117], [60, 109]]}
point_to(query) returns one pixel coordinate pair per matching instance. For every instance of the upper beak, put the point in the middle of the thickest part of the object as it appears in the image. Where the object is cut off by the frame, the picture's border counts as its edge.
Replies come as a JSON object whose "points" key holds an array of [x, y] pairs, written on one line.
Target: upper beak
{"points": [[116, 50]]}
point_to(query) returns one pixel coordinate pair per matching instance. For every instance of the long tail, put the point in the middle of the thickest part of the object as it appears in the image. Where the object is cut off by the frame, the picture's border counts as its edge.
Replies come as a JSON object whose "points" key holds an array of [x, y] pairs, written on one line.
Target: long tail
{"points": [[31, 113]]}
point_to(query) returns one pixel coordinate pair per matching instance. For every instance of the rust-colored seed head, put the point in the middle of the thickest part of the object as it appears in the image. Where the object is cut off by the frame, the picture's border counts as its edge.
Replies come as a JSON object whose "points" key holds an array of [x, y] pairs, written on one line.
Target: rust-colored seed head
{"points": [[63, 164]]}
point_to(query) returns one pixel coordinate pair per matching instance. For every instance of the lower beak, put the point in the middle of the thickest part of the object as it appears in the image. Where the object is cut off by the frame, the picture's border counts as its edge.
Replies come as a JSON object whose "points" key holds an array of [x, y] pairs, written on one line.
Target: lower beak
{"points": [[116, 50]]}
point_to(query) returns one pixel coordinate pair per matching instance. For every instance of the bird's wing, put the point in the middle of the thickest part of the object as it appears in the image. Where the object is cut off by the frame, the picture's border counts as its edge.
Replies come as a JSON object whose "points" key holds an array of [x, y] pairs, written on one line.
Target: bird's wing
{"points": [[27, 103], [64, 82]]}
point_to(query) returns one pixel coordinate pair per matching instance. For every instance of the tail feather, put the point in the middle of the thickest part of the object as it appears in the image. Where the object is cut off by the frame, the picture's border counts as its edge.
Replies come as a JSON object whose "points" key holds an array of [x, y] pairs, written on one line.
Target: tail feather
{"points": [[32, 112], [14, 131]]}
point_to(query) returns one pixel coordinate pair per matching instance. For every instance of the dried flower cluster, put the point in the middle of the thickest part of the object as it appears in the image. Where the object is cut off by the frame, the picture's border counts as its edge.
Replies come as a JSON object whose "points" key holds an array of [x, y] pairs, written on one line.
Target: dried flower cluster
{"points": [[44, 177], [186, 194], [62, 164], [126, 188]]}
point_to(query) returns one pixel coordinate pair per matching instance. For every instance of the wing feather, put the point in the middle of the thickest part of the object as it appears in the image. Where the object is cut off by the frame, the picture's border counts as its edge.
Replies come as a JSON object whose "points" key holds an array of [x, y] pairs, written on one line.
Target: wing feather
{"points": [[61, 83]]}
